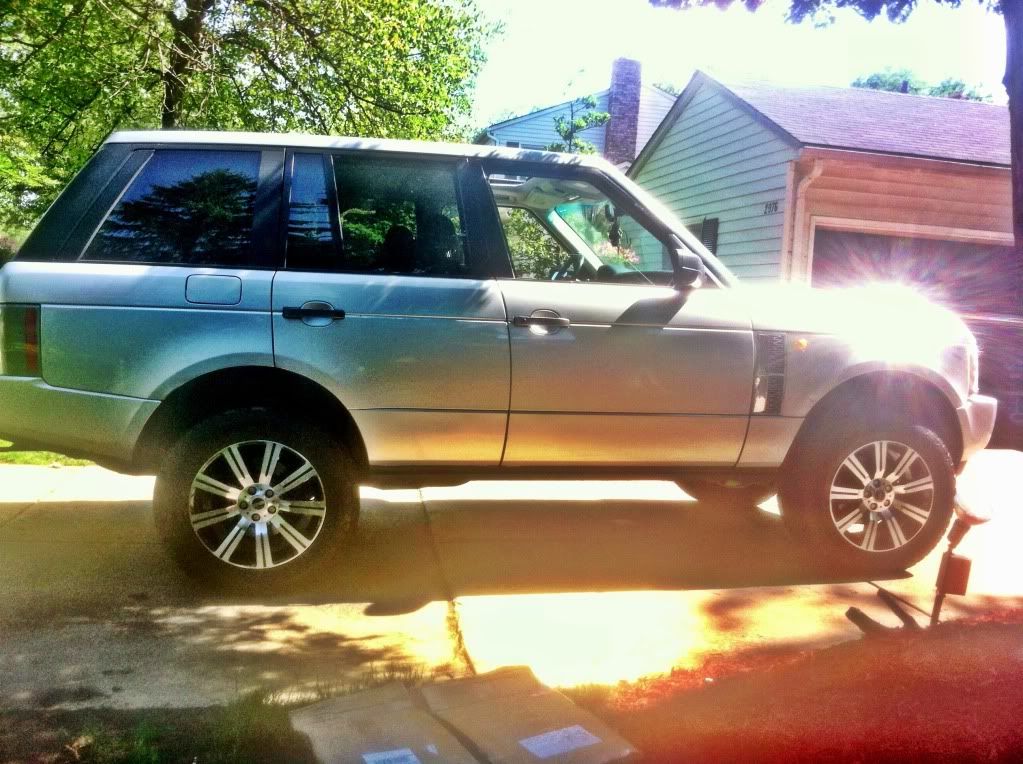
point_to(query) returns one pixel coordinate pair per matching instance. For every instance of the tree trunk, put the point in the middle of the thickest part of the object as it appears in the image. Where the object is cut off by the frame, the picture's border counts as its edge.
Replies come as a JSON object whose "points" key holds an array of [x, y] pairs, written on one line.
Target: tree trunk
{"points": [[1012, 11], [184, 58]]}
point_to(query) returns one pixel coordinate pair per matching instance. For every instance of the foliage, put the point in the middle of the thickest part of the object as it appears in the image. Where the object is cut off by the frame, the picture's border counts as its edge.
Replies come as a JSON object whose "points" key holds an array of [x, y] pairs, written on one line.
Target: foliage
{"points": [[534, 252], [822, 11], [903, 80], [580, 117], [8, 246], [73, 70]]}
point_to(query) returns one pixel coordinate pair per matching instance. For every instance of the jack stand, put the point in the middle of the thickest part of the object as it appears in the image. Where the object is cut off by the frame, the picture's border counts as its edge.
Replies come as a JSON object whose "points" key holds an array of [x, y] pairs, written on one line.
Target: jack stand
{"points": [[953, 577]]}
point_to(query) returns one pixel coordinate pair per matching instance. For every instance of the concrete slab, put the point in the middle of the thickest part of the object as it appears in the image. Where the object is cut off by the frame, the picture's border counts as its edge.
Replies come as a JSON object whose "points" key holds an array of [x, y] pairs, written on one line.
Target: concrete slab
{"points": [[583, 582]]}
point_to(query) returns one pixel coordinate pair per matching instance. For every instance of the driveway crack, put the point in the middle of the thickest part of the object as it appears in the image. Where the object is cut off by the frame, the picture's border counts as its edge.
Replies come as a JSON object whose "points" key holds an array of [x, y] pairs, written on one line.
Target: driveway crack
{"points": [[453, 623]]}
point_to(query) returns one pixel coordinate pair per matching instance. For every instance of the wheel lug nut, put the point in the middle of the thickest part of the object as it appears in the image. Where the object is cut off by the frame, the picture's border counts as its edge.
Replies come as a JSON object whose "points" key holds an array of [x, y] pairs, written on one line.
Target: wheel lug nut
{"points": [[255, 518], [269, 493], [243, 505], [252, 489], [887, 503], [272, 510]]}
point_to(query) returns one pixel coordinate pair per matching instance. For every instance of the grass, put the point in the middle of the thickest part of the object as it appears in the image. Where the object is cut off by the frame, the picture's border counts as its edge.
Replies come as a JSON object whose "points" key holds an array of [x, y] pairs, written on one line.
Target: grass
{"points": [[39, 458], [254, 729]]}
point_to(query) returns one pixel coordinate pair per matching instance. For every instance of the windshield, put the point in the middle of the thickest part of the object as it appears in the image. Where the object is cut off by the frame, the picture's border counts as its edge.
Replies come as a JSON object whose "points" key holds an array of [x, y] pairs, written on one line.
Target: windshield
{"points": [[670, 220]]}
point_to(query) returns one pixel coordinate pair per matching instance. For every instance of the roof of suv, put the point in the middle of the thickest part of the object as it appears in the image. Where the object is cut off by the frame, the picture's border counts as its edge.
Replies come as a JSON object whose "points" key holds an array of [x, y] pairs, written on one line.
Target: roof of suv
{"points": [[298, 140]]}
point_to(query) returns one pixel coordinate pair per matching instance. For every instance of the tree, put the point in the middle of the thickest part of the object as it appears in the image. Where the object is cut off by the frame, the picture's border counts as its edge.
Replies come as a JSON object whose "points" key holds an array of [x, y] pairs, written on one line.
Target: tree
{"points": [[822, 12], [534, 252], [904, 81], [73, 70], [580, 117], [669, 87]]}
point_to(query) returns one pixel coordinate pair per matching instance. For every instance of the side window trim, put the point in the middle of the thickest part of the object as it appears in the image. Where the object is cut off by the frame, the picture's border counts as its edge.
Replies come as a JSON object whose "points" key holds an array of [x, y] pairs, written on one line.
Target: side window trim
{"points": [[484, 232], [327, 163], [48, 241], [103, 204], [266, 215]]}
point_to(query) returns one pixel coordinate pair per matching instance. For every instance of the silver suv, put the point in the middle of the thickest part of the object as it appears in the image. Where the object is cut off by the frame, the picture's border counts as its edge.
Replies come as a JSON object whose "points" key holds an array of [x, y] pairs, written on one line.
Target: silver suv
{"points": [[268, 321]]}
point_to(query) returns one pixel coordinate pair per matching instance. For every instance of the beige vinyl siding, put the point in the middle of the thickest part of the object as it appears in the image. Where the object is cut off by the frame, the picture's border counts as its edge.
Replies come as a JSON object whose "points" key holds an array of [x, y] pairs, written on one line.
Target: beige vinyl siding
{"points": [[537, 129], [717, 161], [973, 199]]}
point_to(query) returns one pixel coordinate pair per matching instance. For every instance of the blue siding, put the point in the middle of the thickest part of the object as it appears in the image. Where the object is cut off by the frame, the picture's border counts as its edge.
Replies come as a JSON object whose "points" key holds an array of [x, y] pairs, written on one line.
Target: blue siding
{"points": [[537, 130]]}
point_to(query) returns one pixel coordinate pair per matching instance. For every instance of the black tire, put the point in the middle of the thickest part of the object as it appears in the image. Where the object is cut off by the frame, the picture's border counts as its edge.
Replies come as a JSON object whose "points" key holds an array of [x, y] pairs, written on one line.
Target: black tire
{"points": [[726, 495], [176, 502], [816, 495]]}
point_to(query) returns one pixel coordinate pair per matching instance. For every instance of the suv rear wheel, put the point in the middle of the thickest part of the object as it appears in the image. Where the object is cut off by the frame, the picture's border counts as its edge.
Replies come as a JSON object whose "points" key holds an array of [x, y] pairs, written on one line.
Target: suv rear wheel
{"points": [[873, 498], [250, 497]]}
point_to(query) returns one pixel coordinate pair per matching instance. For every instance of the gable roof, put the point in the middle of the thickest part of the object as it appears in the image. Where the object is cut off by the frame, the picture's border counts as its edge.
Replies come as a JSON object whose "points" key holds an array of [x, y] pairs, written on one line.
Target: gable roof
{"points": [[648, 90], [858, 119], [545, 110]]}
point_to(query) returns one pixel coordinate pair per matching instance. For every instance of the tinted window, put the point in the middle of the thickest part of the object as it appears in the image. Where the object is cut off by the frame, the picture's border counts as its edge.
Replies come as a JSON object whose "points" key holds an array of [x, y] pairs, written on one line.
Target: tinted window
{"points": [[311, 241], [184, 207], [391, 216]]}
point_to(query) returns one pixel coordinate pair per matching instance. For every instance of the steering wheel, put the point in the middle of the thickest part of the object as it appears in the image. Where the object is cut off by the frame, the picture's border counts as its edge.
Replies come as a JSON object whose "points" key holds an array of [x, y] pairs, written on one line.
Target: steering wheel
{"points": [[572, 261]]}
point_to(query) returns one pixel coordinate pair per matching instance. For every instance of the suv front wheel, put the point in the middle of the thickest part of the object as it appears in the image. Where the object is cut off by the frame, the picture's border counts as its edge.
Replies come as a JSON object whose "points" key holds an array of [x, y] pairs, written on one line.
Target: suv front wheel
{"points": [[875, 498], [251, 498]]}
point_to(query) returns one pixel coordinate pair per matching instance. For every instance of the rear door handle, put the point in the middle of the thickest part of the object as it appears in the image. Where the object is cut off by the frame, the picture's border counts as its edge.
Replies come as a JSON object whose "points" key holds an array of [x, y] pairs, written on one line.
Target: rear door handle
{"points": [[548, 322], [300, 313]]}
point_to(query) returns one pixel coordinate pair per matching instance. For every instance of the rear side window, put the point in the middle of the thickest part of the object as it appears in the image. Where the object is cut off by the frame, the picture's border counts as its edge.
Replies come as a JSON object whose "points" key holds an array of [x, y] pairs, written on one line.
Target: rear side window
{"points": [[373, 215], [183, 208]]}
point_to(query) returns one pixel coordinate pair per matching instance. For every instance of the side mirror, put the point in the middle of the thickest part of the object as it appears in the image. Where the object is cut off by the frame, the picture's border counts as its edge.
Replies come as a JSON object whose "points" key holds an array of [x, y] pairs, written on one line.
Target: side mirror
{"points": [[690, 268]]}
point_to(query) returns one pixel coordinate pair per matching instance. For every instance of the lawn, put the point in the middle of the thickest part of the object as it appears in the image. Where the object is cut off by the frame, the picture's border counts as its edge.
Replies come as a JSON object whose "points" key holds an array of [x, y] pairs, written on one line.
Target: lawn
{"points": [[39, 458]]}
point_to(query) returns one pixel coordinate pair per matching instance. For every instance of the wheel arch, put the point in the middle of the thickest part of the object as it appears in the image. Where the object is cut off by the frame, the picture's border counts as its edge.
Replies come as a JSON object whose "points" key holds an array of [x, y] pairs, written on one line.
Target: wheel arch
{"points": [[241, 387], [862, 395]]}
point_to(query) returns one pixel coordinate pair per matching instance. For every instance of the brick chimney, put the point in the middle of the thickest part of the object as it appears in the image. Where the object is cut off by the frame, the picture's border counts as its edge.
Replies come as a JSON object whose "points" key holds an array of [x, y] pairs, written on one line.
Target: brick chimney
{"points": [[623, 106]]}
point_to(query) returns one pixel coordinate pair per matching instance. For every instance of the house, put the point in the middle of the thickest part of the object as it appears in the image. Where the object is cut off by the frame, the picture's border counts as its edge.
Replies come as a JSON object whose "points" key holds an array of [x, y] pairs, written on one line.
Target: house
{"points": [[834, 186], [636, 110]]}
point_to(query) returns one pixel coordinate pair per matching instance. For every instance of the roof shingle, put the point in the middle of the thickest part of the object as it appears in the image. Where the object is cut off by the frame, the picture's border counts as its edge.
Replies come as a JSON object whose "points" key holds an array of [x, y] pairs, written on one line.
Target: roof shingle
{"points": [[892, 123]]}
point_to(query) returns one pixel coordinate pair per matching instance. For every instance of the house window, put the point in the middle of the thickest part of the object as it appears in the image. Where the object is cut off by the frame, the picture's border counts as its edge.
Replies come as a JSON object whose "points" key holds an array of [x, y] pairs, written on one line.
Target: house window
{"points": [[512, 144], [707, 232]]}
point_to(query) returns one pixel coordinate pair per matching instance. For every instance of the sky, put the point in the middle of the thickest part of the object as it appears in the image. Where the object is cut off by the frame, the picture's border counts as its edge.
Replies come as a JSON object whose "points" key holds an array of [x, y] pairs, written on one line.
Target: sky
{"points": [[550, 50]]}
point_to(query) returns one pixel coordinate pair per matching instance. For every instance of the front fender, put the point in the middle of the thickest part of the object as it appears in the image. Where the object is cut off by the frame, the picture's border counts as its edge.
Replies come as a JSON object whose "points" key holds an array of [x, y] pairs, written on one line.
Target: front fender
{"points": [[817, 365]]}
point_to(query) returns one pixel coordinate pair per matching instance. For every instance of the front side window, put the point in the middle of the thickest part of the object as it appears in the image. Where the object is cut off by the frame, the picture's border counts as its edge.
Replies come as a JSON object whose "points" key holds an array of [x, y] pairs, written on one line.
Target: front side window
{"points": [[564, 229], [183, 208], [391, 216]]}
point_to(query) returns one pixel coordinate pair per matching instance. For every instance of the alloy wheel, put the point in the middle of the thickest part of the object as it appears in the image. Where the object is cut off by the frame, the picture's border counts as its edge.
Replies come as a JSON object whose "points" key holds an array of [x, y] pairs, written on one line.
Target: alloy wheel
{"points": [[881, 496], [257, 504]]}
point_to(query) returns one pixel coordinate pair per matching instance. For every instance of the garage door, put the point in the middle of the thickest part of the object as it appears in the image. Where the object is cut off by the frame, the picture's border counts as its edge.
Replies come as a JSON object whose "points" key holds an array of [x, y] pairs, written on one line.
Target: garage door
{"points": [[979, 281]]}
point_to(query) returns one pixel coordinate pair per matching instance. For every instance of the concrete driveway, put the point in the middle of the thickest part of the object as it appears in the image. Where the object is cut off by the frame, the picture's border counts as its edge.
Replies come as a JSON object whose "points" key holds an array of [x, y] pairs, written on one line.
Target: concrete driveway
{"points": [[584, 582]]}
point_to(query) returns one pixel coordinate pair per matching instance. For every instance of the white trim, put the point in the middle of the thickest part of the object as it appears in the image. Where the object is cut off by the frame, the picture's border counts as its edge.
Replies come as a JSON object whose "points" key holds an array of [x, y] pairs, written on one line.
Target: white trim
{"points": [[802, 229], [910, 230]]}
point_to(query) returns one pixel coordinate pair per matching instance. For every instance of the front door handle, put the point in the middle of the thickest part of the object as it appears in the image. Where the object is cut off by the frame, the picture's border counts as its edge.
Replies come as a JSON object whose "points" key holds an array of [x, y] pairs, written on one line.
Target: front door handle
{"points": [[547, 322], [301, 313]]}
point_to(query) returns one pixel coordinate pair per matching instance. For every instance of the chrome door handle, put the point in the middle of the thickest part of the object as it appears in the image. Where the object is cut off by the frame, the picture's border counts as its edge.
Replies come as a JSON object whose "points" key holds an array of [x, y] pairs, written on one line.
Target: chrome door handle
{"points": [[299, 313], [548, 322]]}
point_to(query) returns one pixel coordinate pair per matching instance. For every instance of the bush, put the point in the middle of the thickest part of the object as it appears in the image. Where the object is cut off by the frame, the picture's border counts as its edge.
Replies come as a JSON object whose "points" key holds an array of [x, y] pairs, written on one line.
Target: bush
{"points": [[8, 246]]}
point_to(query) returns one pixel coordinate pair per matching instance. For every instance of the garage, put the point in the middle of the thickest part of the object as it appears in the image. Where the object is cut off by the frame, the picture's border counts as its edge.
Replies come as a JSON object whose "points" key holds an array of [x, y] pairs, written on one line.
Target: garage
{"points": [[978, 280]]}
